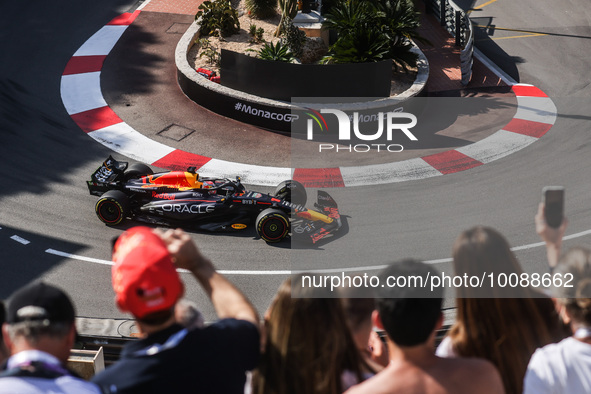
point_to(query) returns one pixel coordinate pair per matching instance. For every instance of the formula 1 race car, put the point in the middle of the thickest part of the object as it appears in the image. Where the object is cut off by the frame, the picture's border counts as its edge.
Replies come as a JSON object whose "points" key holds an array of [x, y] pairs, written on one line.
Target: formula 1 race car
{"points": [[184, 199]]}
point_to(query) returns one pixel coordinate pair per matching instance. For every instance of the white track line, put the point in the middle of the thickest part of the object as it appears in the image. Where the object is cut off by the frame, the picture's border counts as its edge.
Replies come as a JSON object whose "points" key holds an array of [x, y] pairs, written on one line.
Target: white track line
{"points": [[20, 240], [323, 271]]}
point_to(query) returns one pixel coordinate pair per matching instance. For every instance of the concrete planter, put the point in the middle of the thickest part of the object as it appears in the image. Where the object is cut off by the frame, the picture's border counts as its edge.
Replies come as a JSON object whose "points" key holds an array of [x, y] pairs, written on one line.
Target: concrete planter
{"points": [[271, 114]]}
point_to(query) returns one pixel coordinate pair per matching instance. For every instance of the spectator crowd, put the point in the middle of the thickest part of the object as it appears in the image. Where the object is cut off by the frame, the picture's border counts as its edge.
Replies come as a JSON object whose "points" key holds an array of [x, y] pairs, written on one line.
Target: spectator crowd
{"points": [[520, 341]]}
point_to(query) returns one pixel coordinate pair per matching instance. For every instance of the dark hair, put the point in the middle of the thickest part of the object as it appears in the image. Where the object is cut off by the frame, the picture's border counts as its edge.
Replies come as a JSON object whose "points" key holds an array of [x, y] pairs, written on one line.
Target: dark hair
{"points": [[577, 297], [358, 311], [358, 304], [157, 318], [409, 314]]}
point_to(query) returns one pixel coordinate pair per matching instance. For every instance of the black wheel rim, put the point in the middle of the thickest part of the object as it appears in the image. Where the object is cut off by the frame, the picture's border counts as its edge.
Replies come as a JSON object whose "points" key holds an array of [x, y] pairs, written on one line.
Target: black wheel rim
{"points": [[109, 212], [273, 228]]}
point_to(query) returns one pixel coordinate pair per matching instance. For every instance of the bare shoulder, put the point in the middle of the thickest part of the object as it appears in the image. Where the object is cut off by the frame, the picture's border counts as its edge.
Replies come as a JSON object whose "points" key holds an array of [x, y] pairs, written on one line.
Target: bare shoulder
{"points": [[377, 384], [481, 374]]}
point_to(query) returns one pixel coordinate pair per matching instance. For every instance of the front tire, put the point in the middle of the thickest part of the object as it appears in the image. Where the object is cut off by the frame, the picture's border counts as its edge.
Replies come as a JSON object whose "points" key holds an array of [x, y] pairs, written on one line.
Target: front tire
{"points": [[112, 207], [272, 225], [292, 191]]}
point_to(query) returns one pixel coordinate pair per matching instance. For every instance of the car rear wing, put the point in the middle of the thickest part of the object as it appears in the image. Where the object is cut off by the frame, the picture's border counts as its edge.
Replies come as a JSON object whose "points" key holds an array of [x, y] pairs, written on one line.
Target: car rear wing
{"points": [[105, 177]]}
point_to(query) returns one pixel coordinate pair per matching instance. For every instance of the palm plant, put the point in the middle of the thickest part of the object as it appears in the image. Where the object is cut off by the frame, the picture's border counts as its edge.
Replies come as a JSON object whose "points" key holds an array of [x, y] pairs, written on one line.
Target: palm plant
{"points": [[401, 19], [261, 8], [362, 45], [347, 16], [401, 22], [373, 30], [277, 52]]}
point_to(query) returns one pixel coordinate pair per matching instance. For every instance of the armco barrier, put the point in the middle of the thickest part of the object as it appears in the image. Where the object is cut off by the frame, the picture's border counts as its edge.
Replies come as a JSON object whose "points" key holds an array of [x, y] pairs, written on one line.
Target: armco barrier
{"points": [[259, 111], [466, 58], [459, 25]]}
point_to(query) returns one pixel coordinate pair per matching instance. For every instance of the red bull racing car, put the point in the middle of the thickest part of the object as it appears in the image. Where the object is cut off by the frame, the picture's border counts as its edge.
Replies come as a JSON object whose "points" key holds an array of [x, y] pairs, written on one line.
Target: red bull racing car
{"points": [[184, 199]]}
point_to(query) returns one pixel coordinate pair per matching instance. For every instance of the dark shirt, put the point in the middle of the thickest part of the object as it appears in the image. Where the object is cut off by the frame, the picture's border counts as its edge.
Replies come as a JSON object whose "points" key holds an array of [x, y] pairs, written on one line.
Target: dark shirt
{"points": [[213, 359]]}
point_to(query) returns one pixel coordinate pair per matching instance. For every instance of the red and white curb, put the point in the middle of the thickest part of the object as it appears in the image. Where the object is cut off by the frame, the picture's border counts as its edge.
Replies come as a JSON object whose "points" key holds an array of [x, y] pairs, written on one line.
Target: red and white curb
{"points": [[82, 97]]}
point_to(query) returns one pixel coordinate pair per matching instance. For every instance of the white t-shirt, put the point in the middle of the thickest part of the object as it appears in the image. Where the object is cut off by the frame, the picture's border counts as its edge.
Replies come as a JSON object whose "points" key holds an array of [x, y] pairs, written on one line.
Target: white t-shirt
{"points": [[445, 349], [563, 367]]}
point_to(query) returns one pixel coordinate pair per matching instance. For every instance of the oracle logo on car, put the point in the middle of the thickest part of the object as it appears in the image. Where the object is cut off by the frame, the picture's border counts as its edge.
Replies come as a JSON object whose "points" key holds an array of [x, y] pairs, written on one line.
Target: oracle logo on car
{"points": [[389, 121], [201, 208]]}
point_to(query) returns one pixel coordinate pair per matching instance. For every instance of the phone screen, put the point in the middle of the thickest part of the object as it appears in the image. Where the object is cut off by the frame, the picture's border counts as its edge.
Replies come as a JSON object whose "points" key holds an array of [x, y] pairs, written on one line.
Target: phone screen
{"points": [[554, 205]]}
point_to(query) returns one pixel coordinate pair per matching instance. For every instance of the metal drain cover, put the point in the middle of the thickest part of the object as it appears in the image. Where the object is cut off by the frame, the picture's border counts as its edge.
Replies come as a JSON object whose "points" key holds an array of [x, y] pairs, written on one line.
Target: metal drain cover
{"points": [[178, 28], [175, 132]]}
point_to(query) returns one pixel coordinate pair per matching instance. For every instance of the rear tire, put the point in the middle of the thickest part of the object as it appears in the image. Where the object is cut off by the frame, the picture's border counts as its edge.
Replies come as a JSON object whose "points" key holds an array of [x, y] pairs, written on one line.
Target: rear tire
{"points": [[112, 207], [272, 225], [292, 191], [136, 170]]}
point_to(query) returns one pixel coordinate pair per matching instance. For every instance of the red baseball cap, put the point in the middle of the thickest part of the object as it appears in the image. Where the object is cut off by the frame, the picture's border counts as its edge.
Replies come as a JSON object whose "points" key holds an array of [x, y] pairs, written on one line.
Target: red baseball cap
{"points": [[144, 277]]}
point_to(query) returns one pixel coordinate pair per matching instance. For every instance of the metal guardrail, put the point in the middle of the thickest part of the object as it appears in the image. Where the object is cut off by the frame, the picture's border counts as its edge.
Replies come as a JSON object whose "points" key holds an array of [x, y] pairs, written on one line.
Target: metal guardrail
{"points": [[459, 25]]}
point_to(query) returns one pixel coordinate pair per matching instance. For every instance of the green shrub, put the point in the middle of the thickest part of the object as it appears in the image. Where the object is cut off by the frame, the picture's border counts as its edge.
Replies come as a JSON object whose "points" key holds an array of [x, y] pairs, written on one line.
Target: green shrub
{"points": [[327, 6], [373, 30], [347, 16], [399, 18], [261, 8], [360, 46], [209, 51], [256, 33], [289, 9], [293, 37], [278, 52], [218, 18]]}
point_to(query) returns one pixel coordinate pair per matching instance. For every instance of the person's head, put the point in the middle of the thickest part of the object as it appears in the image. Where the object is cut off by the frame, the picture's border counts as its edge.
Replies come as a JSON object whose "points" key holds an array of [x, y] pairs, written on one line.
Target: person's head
{"points": [[483, 249], [40, 316], [575, 268], [144, 277], [308, 344], [409, 314]]}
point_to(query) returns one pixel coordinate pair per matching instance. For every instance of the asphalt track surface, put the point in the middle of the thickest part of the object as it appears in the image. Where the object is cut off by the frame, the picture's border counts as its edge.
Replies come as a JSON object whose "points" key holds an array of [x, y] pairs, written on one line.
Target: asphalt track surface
{"points": [[46, 159]]}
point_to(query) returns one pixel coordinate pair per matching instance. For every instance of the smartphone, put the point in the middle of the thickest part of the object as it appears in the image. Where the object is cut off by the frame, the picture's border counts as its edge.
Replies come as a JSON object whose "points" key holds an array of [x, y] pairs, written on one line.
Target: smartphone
{"points": [[553, 198]]}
